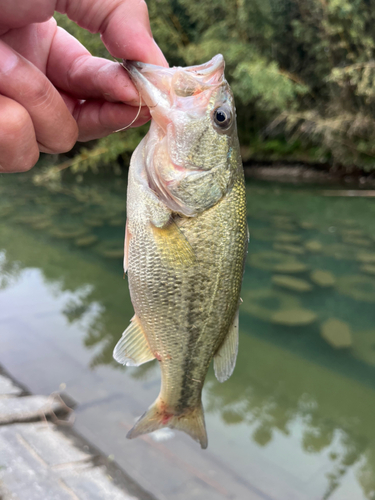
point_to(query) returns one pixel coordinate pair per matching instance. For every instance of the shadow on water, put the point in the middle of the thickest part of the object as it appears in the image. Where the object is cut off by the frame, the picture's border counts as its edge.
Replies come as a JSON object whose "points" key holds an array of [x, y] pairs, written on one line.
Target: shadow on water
{"points": [[306, 364]]}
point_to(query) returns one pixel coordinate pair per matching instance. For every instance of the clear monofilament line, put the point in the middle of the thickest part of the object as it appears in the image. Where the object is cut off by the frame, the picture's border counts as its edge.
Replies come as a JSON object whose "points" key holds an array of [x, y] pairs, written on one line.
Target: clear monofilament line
{"points": [[139, 108]]}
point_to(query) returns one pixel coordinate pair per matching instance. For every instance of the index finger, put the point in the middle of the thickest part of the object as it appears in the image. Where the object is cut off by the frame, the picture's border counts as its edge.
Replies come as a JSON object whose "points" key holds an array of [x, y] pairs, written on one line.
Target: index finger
{"points": [[123, 25]]}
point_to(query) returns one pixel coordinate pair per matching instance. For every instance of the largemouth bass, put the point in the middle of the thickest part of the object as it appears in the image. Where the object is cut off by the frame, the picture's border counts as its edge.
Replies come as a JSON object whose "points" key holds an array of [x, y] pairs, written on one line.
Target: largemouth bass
{"points": [[186, 240]]}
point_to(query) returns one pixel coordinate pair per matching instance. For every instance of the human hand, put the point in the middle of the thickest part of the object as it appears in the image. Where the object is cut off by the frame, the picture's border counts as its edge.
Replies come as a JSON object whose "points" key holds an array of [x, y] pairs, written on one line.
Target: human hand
{"points": [[52, 91]]}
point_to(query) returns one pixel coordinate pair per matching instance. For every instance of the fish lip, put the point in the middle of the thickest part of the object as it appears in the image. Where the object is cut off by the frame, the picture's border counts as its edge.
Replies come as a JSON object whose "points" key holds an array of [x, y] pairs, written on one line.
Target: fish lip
{"points": [[150, 93], [208, 68], [200, 69]]}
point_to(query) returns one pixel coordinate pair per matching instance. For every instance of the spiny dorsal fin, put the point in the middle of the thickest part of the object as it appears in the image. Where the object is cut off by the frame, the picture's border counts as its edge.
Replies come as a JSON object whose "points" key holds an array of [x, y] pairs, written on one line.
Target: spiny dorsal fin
{"points": [[173, 245], [133, 349], [226, 355]]}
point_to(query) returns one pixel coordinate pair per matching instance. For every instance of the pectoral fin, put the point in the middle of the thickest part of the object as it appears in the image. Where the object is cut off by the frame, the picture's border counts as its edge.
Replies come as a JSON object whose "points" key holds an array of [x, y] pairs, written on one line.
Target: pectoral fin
{"points": [[173, 245], [133, 349], [226, 355]]}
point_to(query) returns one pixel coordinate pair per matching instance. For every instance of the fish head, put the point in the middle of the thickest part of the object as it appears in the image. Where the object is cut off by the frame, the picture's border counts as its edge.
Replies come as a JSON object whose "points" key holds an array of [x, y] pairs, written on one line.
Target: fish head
{"points": [[191, 150]]}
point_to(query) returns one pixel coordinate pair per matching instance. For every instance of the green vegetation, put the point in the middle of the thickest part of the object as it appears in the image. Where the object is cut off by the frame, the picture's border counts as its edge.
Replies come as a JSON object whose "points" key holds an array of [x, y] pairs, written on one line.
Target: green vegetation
{"points": [[302, 72]]}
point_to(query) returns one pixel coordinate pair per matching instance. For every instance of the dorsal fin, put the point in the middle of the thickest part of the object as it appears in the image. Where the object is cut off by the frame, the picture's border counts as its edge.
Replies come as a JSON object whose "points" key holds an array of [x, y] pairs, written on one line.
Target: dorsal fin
{"points": [[226, 355], [133, 349]]}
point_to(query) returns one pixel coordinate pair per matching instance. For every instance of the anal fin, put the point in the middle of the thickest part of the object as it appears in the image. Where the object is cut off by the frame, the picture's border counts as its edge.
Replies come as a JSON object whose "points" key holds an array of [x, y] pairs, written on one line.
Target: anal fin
{"points": [[225, 357], [133, 349]]}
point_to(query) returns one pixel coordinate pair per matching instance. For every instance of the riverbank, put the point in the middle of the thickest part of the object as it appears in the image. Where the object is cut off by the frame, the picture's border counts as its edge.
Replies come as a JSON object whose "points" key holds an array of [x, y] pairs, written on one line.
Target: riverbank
{"points": [[304, 173]]}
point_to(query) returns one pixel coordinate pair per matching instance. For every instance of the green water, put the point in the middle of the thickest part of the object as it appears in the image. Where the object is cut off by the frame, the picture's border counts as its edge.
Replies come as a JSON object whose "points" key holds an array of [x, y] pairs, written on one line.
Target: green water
{"points": [[301, 401]]}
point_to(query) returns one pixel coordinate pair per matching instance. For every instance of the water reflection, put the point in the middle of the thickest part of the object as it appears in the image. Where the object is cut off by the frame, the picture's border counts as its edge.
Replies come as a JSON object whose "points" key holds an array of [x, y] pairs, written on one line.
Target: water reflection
{"points": [[310, 268], [9, 271]]}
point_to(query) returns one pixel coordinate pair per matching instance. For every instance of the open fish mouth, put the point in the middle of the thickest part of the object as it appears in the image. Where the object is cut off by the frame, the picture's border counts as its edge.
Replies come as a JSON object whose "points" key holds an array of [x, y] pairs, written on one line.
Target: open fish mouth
{"points": [[162, 88]]}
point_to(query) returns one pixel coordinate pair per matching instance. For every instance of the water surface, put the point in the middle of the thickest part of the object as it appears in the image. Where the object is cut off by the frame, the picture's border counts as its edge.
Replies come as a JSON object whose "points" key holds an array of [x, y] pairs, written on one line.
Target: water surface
{"points": [[296, 419]]}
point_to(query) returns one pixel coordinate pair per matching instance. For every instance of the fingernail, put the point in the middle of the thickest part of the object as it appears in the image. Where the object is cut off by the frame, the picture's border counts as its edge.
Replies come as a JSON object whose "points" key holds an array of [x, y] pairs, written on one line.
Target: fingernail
{"points": [[8, 59]]}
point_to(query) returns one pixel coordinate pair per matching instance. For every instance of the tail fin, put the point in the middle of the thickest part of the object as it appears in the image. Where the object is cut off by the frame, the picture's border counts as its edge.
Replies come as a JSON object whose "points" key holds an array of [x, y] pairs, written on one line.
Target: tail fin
{"points": [[156, 417]]}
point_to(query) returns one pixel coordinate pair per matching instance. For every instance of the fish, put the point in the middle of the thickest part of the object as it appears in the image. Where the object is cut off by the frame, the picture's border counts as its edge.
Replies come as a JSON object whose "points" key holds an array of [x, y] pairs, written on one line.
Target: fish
{"points": [[186, 240]]}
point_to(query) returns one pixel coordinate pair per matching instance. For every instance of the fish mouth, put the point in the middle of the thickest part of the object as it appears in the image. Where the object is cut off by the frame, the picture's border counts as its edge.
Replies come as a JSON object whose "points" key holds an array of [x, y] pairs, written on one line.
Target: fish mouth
{"points": [[160, 87], [209, 70]]}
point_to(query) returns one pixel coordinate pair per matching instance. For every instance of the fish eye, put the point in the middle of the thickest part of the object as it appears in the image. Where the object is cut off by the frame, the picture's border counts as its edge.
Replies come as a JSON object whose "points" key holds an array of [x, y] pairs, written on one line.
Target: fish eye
{"points": [[222, 117]]}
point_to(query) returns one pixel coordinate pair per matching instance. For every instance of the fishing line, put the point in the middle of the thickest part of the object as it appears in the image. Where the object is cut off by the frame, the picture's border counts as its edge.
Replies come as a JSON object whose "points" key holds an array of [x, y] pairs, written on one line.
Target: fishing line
{"points": [[140, 103]]}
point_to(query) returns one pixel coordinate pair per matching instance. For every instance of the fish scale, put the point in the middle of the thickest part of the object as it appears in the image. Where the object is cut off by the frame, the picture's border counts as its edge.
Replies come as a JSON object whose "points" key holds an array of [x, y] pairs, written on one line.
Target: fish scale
{"points": [[176, 312]]}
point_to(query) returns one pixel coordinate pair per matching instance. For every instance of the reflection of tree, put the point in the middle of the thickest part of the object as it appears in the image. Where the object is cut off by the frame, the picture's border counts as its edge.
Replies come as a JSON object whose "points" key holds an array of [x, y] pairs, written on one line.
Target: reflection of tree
{"points": [[366, 474], [9, 271], [269, 393], [80, 305], [74, 311], [353, 453], [262, 435], [232, 417], [317, 436]]}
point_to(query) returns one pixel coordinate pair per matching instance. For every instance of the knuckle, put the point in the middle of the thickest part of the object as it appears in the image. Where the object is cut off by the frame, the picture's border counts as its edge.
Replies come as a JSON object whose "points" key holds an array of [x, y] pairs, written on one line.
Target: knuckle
{"points": [[40, 93]]}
